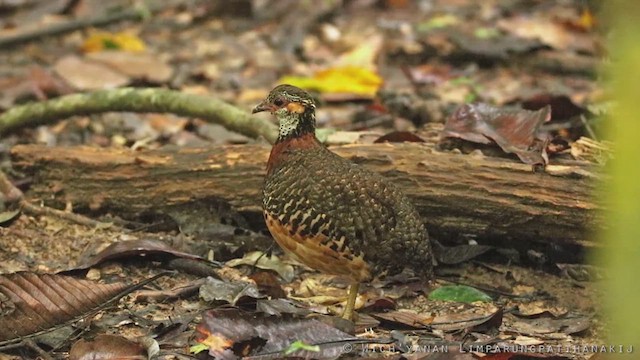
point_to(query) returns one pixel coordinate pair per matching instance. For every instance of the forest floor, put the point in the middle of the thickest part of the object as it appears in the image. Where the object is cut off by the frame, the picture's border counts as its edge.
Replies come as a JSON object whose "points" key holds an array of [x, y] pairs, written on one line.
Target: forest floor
{"points": [[379, 67]]}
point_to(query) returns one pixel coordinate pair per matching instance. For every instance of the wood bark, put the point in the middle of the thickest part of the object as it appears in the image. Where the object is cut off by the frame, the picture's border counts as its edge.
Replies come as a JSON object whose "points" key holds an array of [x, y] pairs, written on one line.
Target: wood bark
{"points": [[460, 196]]}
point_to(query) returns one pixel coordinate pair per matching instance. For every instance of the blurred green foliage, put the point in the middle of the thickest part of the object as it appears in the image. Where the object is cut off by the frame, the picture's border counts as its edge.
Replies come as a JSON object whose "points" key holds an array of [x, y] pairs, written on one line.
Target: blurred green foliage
{"points": [[622, 255]]}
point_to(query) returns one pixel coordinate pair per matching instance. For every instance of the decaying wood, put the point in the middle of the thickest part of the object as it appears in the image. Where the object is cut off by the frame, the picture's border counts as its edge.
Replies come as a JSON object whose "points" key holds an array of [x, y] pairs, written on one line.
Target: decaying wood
{"points": [[459, 195]]}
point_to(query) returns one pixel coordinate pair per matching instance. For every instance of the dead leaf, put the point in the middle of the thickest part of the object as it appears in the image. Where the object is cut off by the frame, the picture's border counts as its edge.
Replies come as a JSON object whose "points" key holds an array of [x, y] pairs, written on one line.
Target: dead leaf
{"points": [[546, 325], [85, 75], [278, 307], [138, 65], [152, 249], [548, 31], [107, 347], [429, 73], [346, 137], [468, 319], [527, 341], [493, 48], [265, 262], [362, 56], [230, 292], [41, 302], [181, 291], [407, 318], [515, 131], [539, 308], [268, 284], [231, 334]]}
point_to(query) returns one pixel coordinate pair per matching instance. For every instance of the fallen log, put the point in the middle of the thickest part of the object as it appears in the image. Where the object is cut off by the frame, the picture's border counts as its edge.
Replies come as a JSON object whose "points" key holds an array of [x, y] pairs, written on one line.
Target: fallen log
{"points": [[460, 196]]}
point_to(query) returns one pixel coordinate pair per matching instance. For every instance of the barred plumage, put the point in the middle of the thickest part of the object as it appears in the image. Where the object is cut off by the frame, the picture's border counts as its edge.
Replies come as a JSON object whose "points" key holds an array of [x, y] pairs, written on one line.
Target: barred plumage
{"points": [[330, 213]]}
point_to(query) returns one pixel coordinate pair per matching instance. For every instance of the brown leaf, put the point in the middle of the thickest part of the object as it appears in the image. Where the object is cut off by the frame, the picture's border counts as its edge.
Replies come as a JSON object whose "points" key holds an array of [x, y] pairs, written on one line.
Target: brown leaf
{"points": [[40, 302], [428, 73], [515, 131], [230, 292], [231, 334], [539, 308], [145, 66], [407, 318], [547, 325], [105, 347], [86, 75], [149, 248], [465, 320], [499, 47], [280, 306], [263, 261], [268, 284], [549, 32]]}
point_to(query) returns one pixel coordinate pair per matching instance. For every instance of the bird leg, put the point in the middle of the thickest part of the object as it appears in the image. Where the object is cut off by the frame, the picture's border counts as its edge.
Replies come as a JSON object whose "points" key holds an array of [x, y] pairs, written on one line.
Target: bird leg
{"points": [[351, 301]]}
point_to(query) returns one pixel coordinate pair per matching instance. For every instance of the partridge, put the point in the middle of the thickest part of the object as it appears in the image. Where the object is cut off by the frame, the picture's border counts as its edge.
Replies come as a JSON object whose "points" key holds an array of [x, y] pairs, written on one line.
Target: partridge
{"points": [[330, 213]]}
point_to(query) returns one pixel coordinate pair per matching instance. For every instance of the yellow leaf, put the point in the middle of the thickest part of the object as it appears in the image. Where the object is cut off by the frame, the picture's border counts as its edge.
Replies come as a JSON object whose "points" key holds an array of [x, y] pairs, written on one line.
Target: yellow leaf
{"points": [[101, 40], [348, 79], [587, 21]]}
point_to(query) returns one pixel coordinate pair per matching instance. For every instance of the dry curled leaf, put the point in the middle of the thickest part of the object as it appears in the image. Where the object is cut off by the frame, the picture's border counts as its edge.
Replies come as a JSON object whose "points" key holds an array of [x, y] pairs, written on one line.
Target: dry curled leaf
{"points": [[515, 131], [230, 292], [265, 262], [152, 249]]}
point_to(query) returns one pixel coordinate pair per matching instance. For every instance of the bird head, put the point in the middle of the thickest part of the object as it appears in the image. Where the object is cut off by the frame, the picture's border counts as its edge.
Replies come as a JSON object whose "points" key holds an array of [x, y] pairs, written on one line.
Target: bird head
{"points": [[293, 107]]}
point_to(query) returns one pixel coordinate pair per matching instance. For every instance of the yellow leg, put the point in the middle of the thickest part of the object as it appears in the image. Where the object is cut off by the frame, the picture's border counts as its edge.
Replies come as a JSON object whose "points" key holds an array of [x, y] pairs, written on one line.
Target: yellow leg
{"points": [[351, 301]]}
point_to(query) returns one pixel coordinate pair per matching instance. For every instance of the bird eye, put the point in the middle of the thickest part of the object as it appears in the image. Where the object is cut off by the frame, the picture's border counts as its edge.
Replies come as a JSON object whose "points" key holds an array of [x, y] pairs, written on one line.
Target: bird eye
{"points": [[278, 102]]}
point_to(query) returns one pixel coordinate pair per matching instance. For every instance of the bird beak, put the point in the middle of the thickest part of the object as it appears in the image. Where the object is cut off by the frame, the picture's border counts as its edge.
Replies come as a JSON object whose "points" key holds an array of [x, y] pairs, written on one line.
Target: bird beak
{"points": [[261, 107]]}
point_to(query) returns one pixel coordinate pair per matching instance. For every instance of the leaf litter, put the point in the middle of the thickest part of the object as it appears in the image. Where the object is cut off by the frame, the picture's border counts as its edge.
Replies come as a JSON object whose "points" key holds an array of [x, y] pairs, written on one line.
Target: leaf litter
{"points": [[227, 63]]}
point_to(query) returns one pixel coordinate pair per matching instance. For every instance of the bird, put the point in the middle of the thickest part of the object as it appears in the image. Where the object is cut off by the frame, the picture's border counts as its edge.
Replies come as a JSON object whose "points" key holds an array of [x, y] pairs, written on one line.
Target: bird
{"points": [[330, 213]]}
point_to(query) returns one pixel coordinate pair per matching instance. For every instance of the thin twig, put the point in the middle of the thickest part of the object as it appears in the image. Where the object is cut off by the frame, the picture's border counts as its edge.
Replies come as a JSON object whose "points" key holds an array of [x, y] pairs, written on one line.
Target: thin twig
{"points": [[34, 210], [129, 13], [588, 127]]}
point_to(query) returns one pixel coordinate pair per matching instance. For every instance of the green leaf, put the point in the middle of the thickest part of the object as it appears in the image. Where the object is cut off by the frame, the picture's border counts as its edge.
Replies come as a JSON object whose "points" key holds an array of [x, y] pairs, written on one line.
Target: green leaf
{"points": [[299, 345], [7, 216], [459, 293], [486, 33], [438, 22], [470, 97], [198, 348]]}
